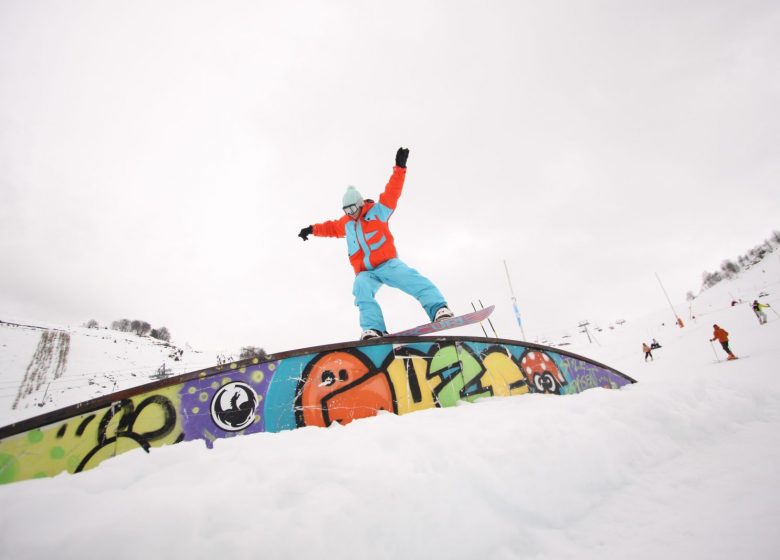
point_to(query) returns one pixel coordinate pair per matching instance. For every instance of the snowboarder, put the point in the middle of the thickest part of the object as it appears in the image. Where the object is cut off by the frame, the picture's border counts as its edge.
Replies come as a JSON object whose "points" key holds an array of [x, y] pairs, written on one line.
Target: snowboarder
{"points": [[373, 255], [654, 344], [758, 308], [648, 352], [723, 337]]}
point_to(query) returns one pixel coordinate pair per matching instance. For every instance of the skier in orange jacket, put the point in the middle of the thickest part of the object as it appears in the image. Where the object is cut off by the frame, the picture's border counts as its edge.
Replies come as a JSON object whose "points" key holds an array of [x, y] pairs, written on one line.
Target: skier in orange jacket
{"points": [[647, 350], [373, 256], [723, 337]]}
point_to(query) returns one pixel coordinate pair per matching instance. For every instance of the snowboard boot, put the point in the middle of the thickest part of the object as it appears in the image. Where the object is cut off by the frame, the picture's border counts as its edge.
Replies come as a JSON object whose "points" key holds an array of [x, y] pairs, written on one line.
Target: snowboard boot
{"points": [[443, 313], [370, 333]]}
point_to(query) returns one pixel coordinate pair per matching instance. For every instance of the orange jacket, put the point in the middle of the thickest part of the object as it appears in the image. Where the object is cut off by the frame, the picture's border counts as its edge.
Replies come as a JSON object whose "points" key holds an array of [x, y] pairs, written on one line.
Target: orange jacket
{"points": [[720, 334], [369, 241]]}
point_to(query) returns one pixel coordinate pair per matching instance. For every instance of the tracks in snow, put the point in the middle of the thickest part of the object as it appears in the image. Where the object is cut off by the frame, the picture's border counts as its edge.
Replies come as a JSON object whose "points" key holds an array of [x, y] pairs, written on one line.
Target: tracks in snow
{"points": [[48, 363]]}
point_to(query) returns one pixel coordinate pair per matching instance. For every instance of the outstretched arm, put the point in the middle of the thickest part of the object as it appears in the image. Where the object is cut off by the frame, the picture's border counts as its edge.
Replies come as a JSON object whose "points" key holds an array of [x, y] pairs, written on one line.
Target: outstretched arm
{"points": [[395, 185], [331, 228]]}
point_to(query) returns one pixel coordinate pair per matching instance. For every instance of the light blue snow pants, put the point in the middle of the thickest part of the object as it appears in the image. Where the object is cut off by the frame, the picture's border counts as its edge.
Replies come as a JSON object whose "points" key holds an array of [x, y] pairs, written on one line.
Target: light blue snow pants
{"points": [[396, 274]]}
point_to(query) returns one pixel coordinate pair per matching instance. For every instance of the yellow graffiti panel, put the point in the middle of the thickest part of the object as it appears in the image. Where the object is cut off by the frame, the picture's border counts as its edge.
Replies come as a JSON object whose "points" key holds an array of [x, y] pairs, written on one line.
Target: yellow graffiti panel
{"points": [[82, 442], [120, 445], [501, 372], [412, 390]]}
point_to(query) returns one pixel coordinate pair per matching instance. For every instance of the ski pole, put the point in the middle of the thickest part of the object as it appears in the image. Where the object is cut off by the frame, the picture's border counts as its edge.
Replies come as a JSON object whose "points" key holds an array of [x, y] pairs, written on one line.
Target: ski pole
{"points": [[714, 352], [773, 310], [489, 321], [480, 323]]}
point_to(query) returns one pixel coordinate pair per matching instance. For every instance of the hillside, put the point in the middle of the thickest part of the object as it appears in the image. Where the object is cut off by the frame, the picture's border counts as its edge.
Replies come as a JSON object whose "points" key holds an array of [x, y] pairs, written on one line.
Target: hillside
{"points": [[45, 367], [683, 464]]}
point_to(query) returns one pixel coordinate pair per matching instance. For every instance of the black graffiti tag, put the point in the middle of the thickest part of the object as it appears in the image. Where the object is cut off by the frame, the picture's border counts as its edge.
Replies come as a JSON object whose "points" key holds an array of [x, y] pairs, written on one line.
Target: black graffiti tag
{"points": [[126, 425]]}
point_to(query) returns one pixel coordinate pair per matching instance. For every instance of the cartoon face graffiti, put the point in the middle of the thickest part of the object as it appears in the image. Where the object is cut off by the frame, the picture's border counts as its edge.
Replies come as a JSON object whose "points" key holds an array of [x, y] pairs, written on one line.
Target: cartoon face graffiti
{"points": [[341, 387], [541, 373], [233, 406]]}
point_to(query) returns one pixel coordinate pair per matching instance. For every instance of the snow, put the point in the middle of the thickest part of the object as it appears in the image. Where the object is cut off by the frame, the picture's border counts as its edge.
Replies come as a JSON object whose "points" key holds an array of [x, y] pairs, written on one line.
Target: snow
{"points": [[98, 362], [683, 464]]}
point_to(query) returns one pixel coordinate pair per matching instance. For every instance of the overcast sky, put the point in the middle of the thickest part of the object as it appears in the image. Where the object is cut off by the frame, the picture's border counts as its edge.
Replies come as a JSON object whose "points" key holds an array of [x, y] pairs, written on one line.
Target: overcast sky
{"points": [[157, 159]]}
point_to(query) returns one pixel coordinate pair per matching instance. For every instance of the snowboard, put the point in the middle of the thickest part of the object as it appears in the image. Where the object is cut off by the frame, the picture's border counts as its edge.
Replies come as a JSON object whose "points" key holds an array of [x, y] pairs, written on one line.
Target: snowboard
{"points": [[445, 324]]}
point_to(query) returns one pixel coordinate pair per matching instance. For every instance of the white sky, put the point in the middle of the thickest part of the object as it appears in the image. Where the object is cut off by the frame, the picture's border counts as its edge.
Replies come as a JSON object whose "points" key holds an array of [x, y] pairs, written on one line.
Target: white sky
{"points": [[157, 159]]}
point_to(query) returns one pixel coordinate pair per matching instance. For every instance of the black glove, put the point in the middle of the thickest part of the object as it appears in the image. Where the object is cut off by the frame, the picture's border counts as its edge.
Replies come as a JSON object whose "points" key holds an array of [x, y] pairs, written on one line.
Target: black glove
{"points": [[306, 232], [401, 156]]}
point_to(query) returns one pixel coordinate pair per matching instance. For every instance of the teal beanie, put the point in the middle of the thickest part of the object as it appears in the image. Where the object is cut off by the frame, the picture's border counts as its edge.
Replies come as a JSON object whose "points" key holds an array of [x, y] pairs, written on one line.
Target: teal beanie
{"points": [[352, 196]]}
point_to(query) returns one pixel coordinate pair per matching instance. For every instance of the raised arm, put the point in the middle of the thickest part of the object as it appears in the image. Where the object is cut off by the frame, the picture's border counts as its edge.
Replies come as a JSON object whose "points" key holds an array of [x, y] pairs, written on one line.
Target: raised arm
{"points": [[395, 185]]}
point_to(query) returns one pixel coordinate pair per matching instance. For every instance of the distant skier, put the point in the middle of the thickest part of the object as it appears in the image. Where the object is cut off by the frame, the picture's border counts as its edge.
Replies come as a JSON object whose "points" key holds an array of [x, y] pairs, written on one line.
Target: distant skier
{"points": [[373, 255], [654, 344], [648, 352], [758, 308], [723, 337]]}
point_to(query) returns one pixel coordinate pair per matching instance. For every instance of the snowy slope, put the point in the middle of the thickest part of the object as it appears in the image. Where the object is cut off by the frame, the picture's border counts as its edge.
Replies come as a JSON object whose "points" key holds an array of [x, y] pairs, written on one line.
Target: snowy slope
{"points": [[683, 464], [46, 367]]}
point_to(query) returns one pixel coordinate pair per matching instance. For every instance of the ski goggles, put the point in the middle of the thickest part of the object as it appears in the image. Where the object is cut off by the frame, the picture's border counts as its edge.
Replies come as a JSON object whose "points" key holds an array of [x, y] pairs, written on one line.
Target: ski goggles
{"points": [[352, 210]]}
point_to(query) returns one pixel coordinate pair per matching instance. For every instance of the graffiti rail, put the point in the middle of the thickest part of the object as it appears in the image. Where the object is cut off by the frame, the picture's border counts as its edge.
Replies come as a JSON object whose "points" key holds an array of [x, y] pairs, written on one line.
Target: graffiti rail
{"points": [[308, 387]]}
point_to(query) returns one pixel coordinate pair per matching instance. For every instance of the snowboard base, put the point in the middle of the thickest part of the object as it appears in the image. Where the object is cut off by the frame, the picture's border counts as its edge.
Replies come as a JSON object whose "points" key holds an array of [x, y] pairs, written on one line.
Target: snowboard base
{"points": [[445, 324]]}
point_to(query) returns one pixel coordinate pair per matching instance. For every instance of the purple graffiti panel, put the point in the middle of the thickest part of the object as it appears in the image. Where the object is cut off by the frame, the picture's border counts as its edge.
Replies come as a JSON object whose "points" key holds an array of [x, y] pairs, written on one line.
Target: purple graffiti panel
{"points": [[227, 403], [585, 375]]}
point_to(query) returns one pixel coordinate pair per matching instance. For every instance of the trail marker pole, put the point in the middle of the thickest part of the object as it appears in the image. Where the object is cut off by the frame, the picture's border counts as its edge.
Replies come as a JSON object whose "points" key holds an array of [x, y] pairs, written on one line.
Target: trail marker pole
{"points": [[514, 301], [677, 318]]}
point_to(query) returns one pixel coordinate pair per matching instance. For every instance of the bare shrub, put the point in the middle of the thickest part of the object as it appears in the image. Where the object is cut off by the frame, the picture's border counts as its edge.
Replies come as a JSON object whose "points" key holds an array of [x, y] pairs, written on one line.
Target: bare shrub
{"points": [[161, 334], [122, 325], [709, 279], [252, 352], [729, 268]]}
